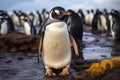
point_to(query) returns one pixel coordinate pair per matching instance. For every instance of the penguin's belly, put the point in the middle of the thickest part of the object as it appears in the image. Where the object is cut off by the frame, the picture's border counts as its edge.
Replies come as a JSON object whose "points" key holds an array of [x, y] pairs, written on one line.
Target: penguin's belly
{"points": [[4, 28], [27, 28], [56, 46], [103, 22]]}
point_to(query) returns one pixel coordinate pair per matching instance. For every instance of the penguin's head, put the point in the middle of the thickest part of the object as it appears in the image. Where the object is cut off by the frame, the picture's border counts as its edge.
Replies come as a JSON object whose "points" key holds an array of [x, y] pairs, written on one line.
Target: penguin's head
{"points": [[92, 10], [115, 12], [58, 13], [23, 19]]}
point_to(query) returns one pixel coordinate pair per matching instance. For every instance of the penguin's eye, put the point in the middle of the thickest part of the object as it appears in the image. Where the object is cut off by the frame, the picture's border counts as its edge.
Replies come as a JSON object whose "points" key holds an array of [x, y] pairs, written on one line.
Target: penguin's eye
{"points": [[57, 12]]}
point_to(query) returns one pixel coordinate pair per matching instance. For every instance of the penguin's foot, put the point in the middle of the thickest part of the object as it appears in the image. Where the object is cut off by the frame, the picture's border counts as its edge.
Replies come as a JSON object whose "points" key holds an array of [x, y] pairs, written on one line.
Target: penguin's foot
{"points": [[49, 72], [64, 72]]}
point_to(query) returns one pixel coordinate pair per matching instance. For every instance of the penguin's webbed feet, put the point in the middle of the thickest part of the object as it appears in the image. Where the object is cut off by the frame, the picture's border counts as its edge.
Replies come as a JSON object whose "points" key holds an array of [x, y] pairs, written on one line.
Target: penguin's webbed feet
{"points": [[64, 71], [49, 72]]}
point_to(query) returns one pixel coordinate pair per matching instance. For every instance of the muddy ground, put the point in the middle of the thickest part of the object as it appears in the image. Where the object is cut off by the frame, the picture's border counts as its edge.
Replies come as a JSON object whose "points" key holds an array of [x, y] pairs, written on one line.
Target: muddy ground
{"points": [[22, 65]]}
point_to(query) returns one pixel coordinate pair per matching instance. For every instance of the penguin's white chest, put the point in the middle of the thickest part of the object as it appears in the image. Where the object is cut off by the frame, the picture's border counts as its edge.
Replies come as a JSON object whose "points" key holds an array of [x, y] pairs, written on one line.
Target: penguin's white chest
{"points": [[4, 28], [27, 28], [103, 22], [56, 45], [16, 20]]}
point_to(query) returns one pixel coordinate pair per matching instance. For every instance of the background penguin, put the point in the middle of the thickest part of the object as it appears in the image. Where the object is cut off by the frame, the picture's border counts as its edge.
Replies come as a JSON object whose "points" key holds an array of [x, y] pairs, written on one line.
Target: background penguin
{"points": [[44, 15], [106, 14], [38, 19], [75, 26], [6, 23], [28, 26], [81, 14], [115, 28], [31, 17], [105, 22], [87, 18], [16, 19], [96, 21], [91, 16], [55, 42], [9, 22], [3, 25]]}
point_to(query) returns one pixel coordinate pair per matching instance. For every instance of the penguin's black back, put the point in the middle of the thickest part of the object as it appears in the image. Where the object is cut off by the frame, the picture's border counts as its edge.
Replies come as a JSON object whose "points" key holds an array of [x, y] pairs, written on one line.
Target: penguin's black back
{"points": [[75, 25], [96, 21]]}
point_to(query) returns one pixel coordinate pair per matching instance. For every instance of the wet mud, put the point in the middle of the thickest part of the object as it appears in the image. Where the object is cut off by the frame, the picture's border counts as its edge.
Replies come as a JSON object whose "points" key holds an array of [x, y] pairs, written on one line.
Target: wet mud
{"points": [[18, 58]]}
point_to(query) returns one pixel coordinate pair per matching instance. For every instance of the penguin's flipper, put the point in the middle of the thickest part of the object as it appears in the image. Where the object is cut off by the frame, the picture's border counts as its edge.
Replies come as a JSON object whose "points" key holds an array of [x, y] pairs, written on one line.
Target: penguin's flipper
{"points": [[74, 45], [40, 48]]}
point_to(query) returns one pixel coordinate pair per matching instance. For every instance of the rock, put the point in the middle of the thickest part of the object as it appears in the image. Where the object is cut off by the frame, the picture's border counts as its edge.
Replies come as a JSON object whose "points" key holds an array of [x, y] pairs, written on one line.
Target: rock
{"points": [[8, 61], [19, 42], [20, 58]]}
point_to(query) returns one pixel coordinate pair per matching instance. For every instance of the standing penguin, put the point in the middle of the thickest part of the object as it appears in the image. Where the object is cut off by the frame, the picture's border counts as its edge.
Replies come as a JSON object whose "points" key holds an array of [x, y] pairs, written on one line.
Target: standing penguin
{"points": [[81, 14], [16, 18], [87, 18], [6, 23], [31, 17], [115, 28], [3, 26], [28, 26], [55, 42], [75, 27]]}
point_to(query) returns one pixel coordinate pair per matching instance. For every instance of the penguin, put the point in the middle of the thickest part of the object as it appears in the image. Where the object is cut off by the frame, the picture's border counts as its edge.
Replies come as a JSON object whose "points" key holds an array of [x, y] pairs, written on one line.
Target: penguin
{"points": [[87, 18], [44, 15], [105, 22], [91, 16], [28, 26], [81, 14], [6, 24], [3, 24], [31, 17], [38, 19], [9, 22], [115, 28], [96, 21], [16, 19], [108, 22], [55, 42], [75, 27]]}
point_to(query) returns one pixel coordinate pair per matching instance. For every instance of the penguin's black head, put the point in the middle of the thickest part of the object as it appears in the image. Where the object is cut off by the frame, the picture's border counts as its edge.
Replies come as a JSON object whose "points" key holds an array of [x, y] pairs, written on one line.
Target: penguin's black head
{"points": [[115, 12], [3, 16], [92, 10], [58, 13], [88, 11], [71, 11], [24, 18]]}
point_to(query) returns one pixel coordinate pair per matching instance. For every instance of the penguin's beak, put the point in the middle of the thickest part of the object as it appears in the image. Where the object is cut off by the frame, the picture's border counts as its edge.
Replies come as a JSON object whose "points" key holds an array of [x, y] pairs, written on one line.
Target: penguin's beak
{"points": [[67, 13]]}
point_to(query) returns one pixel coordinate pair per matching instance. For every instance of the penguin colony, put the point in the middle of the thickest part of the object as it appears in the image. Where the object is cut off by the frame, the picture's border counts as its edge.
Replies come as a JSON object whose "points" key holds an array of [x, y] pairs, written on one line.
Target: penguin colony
{"points": [[59, 29]]}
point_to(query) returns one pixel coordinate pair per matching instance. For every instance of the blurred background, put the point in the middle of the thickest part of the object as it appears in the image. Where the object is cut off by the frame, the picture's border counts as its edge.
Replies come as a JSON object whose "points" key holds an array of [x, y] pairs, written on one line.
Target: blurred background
{"points": [[31, 5]]}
